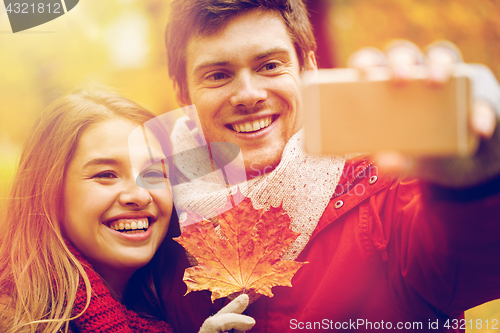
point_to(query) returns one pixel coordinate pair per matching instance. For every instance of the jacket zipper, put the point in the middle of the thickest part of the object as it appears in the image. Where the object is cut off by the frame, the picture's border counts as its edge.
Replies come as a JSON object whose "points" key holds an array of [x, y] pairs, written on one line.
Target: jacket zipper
{"points": [[348, 187]]}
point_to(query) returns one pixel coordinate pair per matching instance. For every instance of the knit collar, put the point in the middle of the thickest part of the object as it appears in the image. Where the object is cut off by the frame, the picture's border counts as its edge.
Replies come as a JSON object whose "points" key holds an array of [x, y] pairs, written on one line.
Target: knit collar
{"points": [[105, 314], [303, 183]]}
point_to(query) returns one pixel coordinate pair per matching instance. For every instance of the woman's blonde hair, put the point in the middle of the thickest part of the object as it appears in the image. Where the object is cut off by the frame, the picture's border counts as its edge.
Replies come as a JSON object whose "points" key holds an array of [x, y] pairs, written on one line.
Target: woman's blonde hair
{"points": [[38, 274]]}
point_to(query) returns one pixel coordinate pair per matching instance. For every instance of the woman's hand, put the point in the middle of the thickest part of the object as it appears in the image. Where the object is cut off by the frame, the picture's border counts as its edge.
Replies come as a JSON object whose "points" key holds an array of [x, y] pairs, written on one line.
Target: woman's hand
{"points": [[229, 317]]}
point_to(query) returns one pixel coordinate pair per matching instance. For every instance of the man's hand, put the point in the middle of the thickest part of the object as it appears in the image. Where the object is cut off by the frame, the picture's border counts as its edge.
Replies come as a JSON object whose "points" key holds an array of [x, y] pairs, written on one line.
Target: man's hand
{"points": [[229, 317], [401, 57]]}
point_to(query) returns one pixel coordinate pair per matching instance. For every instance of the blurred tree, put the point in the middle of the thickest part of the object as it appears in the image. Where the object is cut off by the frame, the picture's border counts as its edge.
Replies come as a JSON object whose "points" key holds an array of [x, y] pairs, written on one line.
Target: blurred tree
{"points": [[472, 25], [318, 11], [48, 61]]}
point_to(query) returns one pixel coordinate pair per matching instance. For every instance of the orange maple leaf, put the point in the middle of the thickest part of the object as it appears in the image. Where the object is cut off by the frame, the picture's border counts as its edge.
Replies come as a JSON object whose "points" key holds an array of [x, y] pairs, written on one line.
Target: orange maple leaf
{"points": [[247, 256]]}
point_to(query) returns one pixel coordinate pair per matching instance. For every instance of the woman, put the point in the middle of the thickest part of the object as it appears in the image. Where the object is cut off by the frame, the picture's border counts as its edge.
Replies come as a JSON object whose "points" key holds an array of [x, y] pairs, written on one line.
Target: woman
{"points": [[82, 223]]}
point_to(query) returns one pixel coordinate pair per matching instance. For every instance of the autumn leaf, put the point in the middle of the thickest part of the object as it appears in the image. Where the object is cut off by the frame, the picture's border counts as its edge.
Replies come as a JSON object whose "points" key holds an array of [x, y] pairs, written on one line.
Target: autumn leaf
{"points": [[244, 255]]}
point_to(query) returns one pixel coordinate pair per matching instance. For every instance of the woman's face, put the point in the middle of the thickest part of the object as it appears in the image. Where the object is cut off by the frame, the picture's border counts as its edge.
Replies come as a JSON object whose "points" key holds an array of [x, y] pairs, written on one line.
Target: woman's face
{"points": [[115, 223]]}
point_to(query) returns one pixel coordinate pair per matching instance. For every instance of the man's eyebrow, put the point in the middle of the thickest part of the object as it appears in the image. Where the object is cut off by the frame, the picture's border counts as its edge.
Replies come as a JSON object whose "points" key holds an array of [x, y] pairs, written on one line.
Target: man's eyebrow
{"points": [[210, 63], [278, 49], [101, 160]]}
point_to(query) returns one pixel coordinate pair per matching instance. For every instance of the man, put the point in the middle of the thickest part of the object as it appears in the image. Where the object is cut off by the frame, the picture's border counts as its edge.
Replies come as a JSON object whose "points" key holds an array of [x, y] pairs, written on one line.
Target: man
{"points": [[401, 254]]}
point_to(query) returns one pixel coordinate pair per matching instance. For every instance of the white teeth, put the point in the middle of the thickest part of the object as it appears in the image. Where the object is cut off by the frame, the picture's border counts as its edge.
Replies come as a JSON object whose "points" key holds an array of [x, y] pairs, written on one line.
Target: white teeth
{"points": [[129, 224], [248, 127], [253, 126]]}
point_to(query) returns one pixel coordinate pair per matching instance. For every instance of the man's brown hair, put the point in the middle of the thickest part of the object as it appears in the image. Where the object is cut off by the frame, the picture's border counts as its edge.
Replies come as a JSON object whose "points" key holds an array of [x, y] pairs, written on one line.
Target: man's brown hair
{"points": [[190, 18]]}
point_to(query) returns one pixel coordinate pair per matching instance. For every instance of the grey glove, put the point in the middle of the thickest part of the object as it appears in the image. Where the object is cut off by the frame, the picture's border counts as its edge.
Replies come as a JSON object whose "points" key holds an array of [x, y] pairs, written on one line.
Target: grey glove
{"points": [[229, 317]]}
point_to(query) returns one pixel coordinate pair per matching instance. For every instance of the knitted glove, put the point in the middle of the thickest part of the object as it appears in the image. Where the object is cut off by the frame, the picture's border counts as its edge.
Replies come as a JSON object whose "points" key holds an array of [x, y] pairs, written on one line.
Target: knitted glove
{"points": [[229, 317]]}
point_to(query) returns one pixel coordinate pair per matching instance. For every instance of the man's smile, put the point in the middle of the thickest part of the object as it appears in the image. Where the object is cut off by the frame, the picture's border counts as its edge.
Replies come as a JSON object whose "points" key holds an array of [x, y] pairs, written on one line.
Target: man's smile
{"points": [[253, 125]]}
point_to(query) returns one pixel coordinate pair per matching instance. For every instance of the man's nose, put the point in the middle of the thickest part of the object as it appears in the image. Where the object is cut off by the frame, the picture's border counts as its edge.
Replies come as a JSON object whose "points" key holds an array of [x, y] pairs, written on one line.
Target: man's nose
{"points": [[248, 91], [134, 196]]}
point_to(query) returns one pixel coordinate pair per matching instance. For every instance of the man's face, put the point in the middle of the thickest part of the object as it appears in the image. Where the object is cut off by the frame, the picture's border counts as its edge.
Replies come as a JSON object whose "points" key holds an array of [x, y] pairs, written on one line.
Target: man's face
{"points": [[244, 81]]}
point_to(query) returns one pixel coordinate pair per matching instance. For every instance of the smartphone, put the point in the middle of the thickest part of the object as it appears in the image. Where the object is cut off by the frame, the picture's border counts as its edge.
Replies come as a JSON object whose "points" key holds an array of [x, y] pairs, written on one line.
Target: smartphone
{"points": [[346, 111]]}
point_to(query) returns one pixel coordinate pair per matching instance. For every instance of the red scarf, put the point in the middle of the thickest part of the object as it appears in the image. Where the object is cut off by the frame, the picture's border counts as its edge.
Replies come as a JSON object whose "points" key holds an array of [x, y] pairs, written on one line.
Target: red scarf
{"points": [[104, 313]]}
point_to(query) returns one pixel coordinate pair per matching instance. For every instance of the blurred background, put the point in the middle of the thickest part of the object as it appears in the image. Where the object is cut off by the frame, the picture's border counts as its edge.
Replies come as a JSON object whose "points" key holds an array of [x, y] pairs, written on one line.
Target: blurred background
{"points": [[119, 43]]}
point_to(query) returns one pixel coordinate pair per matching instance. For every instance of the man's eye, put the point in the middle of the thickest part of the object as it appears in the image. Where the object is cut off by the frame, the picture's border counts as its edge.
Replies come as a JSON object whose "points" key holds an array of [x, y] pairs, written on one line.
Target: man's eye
{"points": [[270, 66], [217, 76], [105, 175]]}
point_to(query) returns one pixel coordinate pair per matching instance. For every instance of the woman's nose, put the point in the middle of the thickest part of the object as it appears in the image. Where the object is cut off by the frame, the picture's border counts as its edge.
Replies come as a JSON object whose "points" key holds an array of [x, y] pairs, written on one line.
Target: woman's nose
{"points": [[134, 196]]}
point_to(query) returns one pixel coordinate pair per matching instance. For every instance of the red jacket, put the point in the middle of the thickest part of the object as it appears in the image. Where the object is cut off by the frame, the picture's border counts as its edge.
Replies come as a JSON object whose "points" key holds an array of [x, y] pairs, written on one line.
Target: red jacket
{"points": [[386, 254]]}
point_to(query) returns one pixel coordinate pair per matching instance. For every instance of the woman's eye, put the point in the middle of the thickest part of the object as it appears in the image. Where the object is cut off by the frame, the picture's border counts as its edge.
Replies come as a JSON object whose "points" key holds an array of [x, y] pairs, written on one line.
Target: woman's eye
{"points": [[154, 176], [105, 175]]}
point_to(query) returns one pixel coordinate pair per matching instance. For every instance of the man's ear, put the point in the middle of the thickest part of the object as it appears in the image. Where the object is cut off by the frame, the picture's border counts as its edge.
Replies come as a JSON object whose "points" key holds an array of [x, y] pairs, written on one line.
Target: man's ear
{"points": [[180, 96], [311, 63]]}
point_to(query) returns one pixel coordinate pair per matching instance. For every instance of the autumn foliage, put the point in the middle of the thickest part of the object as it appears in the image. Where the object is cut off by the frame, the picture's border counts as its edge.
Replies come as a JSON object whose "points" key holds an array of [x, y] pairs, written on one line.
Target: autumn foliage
{"points": [[243, 254]]}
